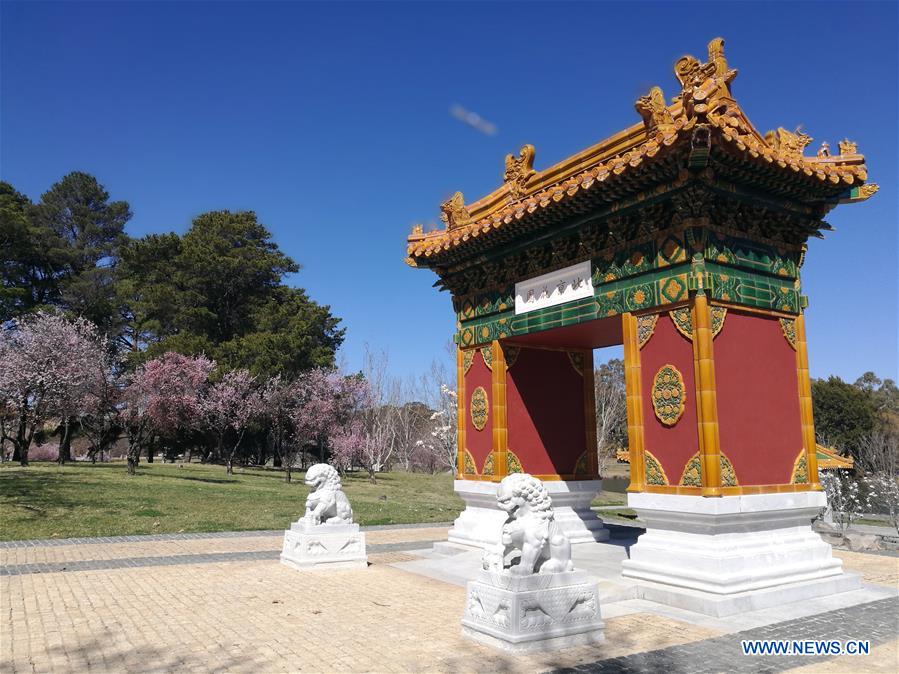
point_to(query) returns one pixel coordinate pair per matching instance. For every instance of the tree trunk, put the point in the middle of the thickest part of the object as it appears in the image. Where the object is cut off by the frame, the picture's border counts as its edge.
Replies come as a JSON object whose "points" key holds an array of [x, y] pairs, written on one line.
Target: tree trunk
{"points": [[287, 472], [22, 442], [371, 475], [65, 442], [230, 466], [133, 459], [151, 450]]}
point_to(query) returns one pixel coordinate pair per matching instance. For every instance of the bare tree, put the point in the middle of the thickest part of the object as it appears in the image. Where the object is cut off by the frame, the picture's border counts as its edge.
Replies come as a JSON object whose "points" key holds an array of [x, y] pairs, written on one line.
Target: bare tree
{"points": [[611, 411], [374, 429]]}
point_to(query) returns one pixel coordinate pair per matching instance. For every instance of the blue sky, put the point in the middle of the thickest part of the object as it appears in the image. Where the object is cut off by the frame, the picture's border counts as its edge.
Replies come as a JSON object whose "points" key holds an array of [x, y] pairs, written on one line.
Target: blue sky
{"points": [[332, 122]]}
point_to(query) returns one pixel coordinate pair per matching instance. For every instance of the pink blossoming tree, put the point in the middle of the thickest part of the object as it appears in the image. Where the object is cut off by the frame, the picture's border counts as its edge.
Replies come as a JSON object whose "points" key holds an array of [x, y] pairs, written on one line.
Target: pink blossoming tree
{"points": [[47, 369], [164, 398], [228, 408]]}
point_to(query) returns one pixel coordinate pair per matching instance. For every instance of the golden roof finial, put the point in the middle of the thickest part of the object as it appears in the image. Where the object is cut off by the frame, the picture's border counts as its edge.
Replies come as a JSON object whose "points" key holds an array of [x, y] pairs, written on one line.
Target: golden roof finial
{"points": [[848, 147], [454, 213], [789, 143], [519, 170], [702, 83], [654, 112]]}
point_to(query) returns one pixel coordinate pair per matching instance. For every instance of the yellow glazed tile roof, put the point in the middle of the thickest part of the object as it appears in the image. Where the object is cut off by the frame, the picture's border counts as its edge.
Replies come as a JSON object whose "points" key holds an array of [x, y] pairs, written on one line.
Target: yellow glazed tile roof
{"points": [[704, 103]]}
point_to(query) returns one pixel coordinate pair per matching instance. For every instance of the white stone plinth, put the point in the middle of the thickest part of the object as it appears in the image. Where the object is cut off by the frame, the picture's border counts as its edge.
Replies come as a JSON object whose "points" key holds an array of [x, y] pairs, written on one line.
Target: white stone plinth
{"points": [[730, 554], [323, 546], [526, 614], [481, 523]]}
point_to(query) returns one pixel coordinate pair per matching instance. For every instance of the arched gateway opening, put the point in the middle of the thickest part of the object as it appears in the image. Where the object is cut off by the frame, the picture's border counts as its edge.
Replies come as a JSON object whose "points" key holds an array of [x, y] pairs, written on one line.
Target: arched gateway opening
{"points": [[681, 238]]}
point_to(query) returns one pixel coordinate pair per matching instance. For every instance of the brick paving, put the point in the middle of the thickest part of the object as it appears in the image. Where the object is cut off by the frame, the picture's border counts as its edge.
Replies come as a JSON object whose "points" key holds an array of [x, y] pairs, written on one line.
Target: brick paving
{"points": [[224, 603]]}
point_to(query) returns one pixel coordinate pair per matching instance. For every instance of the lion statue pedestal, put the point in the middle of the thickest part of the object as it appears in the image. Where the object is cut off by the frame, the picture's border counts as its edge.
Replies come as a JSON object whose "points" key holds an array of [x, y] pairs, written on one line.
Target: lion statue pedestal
{"points": [[325, 537], [529, 597]]}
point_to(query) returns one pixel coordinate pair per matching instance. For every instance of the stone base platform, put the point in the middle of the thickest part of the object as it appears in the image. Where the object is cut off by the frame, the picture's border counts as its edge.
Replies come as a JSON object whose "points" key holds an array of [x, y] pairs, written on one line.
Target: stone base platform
{"points": [[481, 523], [323, 546], [528, 614], [727, 555]]}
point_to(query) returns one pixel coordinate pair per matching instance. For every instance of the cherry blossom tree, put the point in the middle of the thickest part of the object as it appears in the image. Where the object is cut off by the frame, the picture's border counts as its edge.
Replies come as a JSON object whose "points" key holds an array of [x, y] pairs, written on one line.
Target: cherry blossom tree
{"points": [[163, 399], [47, 363], [228, 407]]}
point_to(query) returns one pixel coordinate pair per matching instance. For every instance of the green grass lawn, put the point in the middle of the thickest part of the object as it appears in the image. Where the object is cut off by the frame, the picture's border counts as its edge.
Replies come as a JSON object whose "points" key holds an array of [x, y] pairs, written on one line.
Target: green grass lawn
{"points": [[47, 501]]}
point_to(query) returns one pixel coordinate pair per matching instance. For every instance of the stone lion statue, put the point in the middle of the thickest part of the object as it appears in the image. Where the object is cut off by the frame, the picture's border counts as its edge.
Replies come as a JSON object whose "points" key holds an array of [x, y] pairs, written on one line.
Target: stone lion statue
{"points": [[532, 541], [327, 503]]}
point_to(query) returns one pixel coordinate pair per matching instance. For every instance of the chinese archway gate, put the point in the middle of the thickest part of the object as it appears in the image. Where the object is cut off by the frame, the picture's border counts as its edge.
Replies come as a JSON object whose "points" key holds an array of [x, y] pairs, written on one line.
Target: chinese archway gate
{"points": [[682, 238]]}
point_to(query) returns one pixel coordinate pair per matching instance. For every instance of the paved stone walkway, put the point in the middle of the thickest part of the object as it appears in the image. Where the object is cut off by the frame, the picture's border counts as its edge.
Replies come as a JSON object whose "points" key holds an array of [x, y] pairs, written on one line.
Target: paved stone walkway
{"points": [[876, 621], [224, 603]]}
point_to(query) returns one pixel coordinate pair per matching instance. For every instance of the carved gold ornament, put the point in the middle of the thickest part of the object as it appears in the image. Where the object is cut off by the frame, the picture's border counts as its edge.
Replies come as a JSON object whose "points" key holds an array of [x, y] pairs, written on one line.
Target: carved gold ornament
{"points": [[669, 396], [868, 190], [655, 474], [468, 463], [646, 325], [718, 316], [513, 465], [692, 475], [478, 407], [800, 469], [654, 111], [467, 360], [788, 143], [487, 355], [728, 476], [788, 325], [488, 465], [683, 321], [453, 211], [519, 170], [848, 147]]}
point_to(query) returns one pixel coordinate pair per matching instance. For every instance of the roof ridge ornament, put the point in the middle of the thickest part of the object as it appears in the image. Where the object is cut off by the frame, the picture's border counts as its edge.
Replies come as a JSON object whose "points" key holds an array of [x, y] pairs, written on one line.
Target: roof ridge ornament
{"points": [[788, 143], [848, 147], [519, 170], [701, 82], [655, 113], [454, 213]]}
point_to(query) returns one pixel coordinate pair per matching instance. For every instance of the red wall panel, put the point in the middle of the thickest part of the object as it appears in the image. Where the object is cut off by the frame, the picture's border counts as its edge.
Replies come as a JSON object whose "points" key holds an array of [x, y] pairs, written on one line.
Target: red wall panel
{"points": [[479, 443], [758, 399], [671, 445], [545, 407]]}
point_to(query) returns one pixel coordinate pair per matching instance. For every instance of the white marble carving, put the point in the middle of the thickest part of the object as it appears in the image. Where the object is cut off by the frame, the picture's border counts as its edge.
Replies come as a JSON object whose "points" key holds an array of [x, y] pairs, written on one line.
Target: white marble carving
{"points": [[528, 597], [325, 537]]}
